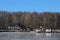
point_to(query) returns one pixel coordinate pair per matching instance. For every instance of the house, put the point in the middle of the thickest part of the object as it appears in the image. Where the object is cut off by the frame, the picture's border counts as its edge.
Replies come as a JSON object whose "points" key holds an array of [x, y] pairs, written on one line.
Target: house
{"points": [[48, 30], [14, 27], [57, 30], [41, 29], [37, 30]]}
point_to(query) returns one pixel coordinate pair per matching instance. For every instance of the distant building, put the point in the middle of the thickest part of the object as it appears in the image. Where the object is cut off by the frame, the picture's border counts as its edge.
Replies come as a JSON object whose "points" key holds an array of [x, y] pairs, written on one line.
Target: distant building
{"points": [[37, 30], [48, 30], [13, 28], [16, 27], [57, 30]]}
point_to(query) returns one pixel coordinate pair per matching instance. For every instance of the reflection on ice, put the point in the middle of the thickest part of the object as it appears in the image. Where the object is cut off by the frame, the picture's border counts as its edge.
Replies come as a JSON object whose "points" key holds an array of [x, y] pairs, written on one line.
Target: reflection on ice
{"points": [[29, 36], [48, 34]]}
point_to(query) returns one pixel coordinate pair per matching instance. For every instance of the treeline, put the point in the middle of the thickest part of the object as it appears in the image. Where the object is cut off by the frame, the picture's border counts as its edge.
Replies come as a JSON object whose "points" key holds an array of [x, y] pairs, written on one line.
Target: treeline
{"points": [[30, 20]]}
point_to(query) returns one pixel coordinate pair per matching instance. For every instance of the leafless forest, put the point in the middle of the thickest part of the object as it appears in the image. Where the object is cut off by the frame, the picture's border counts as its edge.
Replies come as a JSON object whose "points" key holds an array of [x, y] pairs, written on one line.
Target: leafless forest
{"points": [[30, 19]]}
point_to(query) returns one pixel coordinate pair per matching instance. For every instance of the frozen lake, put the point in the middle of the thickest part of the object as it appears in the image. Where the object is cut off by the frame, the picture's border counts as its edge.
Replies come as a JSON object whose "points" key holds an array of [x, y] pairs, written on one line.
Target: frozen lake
{"points": [[29, 36]]}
